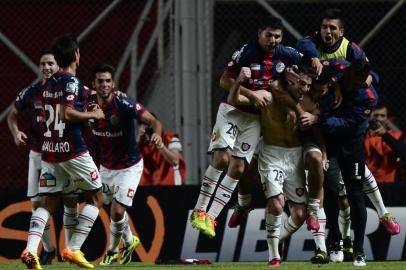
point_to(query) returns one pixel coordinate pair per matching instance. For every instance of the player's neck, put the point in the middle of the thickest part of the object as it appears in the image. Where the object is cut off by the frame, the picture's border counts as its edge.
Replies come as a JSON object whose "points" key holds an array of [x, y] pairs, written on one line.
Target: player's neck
{"points": [[104, 101], [70, 69]]}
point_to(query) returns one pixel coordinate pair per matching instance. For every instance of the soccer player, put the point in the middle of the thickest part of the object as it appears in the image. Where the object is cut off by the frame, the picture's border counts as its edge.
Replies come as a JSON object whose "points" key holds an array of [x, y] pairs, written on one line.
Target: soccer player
{"points": [[237, 129], [280, 160], [30, 99], [65, 157], [121, 164]]}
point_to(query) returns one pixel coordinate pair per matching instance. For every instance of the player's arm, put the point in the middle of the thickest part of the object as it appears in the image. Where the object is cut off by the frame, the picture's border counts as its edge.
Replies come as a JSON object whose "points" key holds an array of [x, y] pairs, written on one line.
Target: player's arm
{"points": [[235, 96], [69, 114], [12, 122], [147, 118], [171, 155], [308, 47]]}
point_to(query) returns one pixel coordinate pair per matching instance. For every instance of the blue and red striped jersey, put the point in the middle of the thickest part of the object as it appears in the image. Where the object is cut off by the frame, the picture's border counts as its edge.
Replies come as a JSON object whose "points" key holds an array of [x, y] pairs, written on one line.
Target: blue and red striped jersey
{"points": [[30, 99], [63, 140], [265, 66], [115, 134]]}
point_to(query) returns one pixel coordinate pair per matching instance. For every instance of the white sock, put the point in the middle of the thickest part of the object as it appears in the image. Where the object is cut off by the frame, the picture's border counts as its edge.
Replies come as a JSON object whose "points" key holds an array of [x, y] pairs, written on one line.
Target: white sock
{"points": [[320, 236], [127, 233], [344, 221], [288, 228], [273, 230], [223, 195], [313, 205], [244, 200], [116, 231], [209, 183], [38, 221], [46, 238], [86, 220], [372, 191], [70, 220]]}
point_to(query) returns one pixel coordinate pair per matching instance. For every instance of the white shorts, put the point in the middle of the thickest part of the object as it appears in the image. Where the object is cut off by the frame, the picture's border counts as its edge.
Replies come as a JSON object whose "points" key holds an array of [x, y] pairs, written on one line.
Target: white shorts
{"points": [[282, 172], [77, 174], [310, 148], [34, 171], [121, 184], [236, 130]]}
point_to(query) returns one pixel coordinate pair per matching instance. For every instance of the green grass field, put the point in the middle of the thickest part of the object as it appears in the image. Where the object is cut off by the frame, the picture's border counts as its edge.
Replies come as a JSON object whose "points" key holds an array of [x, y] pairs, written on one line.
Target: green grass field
{"points": [[398, 265]]}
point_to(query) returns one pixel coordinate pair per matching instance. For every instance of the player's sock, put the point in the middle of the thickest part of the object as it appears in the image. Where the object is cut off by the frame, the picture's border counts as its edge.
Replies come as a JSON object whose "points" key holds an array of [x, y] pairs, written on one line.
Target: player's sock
{"points": [[209, 183], [223, 195], [86, 220], [372, 191], [38, 222], [288, 228], [244, 200], [127, 233], [320, 235], [273, 229], [345, 223], [46, 238], [116, 231], [70, 220]]}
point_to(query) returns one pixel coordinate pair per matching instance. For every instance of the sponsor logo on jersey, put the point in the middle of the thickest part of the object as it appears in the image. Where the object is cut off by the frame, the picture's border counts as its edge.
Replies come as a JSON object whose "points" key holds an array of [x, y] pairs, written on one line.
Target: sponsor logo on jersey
{"points": [[94, 175], [47, 180], [107, 133], [130, 193], [70, 97], [255, 66]]}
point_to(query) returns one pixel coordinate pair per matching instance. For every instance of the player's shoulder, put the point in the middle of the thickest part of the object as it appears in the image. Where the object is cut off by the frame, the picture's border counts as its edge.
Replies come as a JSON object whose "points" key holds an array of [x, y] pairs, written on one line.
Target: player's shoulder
{"points": [[280, 48], [244, 51]]}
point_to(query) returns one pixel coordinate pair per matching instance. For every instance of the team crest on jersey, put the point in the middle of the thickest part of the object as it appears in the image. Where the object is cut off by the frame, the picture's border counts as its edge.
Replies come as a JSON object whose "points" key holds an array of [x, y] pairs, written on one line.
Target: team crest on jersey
{"points": [[300, 191], [47, 180], [72, 87], [130, 193], [70, 97], [245, 147], [114, 119], [94, 175], [280, 67]]}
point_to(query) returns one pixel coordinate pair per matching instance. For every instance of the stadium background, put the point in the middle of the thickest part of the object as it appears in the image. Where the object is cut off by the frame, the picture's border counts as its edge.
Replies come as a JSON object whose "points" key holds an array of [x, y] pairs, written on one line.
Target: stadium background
{"points": [[170, 54]]}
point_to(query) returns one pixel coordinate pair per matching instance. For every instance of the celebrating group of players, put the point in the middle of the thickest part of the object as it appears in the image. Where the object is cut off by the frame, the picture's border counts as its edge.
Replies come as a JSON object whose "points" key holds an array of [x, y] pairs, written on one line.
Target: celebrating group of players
{"points": [[296, 111], [60, 165]]}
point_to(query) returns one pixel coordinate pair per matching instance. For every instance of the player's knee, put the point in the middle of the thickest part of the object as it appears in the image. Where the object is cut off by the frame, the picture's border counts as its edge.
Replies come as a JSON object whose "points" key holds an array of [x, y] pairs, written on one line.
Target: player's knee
{"points": [[117, 211], [314, 160], [274, 206], [299, 215], [221, 160]]}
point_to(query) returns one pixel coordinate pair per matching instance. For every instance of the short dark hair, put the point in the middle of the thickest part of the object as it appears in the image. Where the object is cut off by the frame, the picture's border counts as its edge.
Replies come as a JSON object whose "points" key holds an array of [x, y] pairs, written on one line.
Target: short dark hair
{"points": [[64, 49], [103, 68], [360, 67], [271, 22], [333, 14], [45, 52], [324, 77], [307, 70]]}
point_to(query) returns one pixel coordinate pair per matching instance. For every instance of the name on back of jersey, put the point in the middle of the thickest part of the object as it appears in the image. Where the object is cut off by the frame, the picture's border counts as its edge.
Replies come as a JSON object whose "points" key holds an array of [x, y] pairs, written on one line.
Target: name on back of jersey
{"points": [[59, 147]]}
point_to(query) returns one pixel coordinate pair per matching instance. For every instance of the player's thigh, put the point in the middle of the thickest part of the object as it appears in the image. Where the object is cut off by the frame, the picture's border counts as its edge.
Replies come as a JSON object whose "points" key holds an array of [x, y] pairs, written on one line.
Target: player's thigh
{"points": [[84, 173], [53, 178], [34, 171], [248, 137], [225, 129]]}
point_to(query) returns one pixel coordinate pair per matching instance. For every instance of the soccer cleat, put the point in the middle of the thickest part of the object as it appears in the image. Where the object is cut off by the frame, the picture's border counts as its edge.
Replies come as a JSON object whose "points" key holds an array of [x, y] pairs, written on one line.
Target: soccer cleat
{"points": [[110, 258], [76, 257], [210, 227], [46, 257], [336, 253], [274, 263], [239, 215], [281, 249], [126, 253], [198, 220], [359, 259], [312, 222], [30, 260], [390, 223], [320, 257], [347, 249]]}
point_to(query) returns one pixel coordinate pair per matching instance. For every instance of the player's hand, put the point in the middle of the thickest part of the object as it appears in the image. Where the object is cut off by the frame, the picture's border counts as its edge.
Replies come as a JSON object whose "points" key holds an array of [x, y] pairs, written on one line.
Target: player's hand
{"points": [[261, 98], [157, 140], [317, 65], [307, 119], [338, 96], [19, 138], [97, 113], [119, 93], [290, 75], [245, 74]]}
